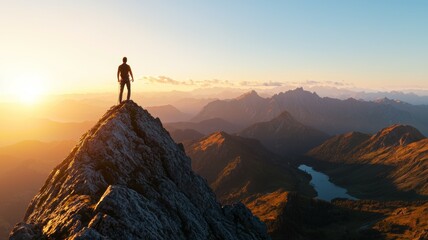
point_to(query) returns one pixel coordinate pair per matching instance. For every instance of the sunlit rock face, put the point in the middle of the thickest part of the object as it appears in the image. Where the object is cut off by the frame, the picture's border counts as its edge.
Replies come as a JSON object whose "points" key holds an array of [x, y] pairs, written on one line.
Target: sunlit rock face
{"points": [[127, 179]]}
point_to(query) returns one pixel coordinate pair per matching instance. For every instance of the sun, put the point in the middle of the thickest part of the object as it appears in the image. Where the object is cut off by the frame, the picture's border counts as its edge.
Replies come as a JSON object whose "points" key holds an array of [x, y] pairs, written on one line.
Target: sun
{"points": [[28, 90], [30, 94]]}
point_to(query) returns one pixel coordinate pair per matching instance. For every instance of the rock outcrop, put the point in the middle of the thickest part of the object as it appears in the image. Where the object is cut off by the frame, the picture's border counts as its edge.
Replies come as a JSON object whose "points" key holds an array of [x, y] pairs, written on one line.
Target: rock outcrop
{"points": [[127, 179]]}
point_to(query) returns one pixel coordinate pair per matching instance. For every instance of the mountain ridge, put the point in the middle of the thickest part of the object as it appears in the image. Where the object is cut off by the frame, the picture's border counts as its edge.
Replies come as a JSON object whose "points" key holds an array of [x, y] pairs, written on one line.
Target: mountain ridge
{"points": [[238, 167], [388, 165], [330, 115]]}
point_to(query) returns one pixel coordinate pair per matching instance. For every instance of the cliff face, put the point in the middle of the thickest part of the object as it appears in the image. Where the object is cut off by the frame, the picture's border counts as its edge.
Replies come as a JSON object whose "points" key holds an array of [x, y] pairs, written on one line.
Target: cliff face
{"points": [[127, 179]]}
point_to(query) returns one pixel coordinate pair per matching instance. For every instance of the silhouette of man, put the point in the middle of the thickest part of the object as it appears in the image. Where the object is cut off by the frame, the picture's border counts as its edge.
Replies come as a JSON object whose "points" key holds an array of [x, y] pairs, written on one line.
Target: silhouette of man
{"points": [[124, 70]]}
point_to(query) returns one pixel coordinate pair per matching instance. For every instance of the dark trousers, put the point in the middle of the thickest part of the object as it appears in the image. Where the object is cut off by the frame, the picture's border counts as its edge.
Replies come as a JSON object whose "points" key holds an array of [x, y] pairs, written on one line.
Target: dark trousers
{"points": [[122, 86]]}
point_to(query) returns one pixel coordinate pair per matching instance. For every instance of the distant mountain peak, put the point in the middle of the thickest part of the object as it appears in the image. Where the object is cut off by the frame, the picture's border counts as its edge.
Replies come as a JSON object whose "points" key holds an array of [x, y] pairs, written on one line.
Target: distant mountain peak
{"points": [[389, 101], [300, 90], [299, 93], [284, 135], [249, 95], [127, 179], [395, 135]]}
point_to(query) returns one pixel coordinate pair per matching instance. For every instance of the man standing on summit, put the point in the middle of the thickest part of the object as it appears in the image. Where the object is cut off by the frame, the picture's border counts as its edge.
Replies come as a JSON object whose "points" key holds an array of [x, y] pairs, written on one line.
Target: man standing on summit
{"points": [[124, 70]]}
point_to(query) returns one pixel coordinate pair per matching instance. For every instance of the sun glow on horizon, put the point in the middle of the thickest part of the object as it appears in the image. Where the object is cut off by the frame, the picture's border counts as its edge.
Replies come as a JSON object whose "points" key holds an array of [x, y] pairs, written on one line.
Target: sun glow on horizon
{"points": [[27, 90]]}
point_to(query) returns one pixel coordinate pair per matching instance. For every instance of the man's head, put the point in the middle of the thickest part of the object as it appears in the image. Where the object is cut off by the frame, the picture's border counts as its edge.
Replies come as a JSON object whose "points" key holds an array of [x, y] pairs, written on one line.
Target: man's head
{"points": [[124, 59]]}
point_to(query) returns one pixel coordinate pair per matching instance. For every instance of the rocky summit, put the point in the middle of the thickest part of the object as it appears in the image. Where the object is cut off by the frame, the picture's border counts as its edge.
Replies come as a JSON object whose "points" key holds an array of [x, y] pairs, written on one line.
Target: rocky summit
{"points": [[127, 179]]}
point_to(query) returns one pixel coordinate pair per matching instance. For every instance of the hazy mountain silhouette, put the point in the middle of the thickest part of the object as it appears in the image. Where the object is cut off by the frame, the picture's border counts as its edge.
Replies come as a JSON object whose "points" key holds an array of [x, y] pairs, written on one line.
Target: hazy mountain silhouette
{"points": [[168, 113], [390, 164], [127, 179], [41, 129], [206, 127], [23, 169], [243, 110], [418, 97], [185, 135], [284, 135], [237, 167], [326, 114]]}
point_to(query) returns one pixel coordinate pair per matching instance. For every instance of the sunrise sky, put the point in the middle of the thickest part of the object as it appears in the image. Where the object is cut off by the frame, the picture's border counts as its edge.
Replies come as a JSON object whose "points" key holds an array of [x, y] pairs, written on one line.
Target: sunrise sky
{"points": [[75, 46]]}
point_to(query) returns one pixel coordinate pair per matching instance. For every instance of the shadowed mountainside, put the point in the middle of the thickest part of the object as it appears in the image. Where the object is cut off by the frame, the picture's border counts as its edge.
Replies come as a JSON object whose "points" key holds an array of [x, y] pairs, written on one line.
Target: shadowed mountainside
{"points": [[205, 127], [185, 135], [168, 113], [291, 216], [284, 135], [391, 164], [237, 167]]}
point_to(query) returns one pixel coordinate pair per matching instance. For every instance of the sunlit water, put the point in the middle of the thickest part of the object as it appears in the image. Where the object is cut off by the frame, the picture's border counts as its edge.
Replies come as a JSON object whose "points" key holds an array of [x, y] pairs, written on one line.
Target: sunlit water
{"points": [[326, 190]]}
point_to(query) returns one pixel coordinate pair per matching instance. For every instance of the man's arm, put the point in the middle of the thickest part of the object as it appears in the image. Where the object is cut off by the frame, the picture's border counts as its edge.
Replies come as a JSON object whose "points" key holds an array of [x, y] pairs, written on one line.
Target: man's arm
{"points": [[130, 71], [118, 72]]}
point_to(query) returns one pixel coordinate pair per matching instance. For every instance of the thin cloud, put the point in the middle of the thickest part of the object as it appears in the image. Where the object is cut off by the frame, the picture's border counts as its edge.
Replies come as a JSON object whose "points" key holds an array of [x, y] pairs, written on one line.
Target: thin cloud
{"points": [[329, 83], [214, 83], [167, 80], [260, 84], [339, 84], [190, 82], [313, 82]]}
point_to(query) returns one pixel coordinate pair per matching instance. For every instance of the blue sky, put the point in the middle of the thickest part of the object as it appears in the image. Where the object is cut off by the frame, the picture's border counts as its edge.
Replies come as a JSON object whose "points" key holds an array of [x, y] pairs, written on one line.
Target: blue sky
{"points": [[77, 45]]}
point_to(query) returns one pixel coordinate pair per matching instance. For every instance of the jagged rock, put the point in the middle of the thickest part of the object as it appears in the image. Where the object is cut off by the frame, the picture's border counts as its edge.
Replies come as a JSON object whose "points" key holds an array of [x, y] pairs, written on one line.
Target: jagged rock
{"points": [[127, 179]]}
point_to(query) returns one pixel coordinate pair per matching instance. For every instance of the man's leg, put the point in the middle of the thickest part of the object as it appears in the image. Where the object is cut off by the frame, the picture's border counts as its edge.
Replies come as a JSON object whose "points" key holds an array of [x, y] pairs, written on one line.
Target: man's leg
{"points": [[128, 87], [122, 85]]}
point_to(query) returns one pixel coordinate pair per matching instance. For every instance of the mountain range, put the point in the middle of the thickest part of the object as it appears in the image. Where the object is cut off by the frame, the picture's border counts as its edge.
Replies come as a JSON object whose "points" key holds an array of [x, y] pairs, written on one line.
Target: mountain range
{"points": [[390, 164], [232, 164], [332, 116]]}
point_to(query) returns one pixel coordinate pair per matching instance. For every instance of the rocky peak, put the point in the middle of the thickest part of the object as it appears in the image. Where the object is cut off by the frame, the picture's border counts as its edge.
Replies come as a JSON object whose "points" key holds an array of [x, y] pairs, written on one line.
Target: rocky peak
{"points": [[127, 179], [298, 93], [395, 135], [252, 95]]}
